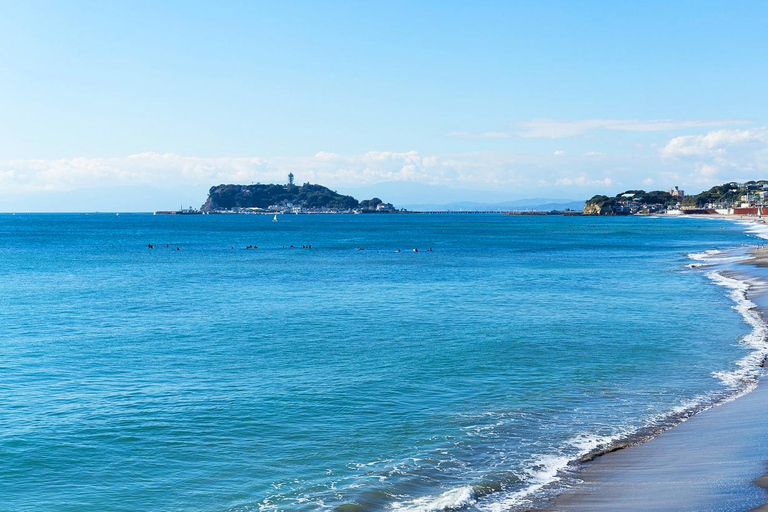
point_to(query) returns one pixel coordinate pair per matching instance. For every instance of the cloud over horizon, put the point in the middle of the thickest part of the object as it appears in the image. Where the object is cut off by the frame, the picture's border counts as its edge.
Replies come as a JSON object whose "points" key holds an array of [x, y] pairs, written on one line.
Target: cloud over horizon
{"points": [[721, 154], [688, 160], [473, 170]]}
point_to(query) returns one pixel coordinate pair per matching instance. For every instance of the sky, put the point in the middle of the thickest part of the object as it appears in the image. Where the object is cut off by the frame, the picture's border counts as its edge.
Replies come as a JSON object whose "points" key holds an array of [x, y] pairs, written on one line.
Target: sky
{"points": [[148, 104]]}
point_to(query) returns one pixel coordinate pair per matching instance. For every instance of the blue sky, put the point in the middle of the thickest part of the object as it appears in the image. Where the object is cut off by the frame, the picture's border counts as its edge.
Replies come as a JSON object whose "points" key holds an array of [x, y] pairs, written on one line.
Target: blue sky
{"points": [[549, 98]]}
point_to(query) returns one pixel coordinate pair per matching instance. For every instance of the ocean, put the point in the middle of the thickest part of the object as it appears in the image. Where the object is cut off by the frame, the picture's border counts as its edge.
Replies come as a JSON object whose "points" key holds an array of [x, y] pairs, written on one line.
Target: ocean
{"points": [[358, 374]]}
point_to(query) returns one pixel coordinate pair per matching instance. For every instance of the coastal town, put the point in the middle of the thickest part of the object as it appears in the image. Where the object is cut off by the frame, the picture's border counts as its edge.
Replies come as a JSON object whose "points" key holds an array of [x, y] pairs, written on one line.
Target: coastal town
{"points": [[733, 198]]}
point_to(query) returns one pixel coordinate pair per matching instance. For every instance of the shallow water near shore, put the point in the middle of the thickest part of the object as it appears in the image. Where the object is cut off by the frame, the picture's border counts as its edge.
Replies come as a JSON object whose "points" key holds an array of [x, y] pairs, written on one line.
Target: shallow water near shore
{"points": [[218, 378]]}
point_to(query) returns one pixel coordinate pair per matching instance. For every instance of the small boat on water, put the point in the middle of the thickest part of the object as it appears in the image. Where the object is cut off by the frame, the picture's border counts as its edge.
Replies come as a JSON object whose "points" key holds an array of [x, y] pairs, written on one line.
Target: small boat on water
{"points": [[274, 219]]}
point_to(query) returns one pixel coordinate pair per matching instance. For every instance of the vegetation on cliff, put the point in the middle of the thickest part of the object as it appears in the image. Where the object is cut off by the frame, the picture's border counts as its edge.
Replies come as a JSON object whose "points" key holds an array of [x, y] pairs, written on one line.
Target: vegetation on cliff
{"points": [[725, 193], [599, 205], [605, 203]]}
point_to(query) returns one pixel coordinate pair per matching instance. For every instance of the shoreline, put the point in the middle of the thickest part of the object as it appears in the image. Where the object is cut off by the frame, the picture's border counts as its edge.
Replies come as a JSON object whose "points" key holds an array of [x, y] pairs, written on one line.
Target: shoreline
{"points": [[713, 459], [759, 256]]}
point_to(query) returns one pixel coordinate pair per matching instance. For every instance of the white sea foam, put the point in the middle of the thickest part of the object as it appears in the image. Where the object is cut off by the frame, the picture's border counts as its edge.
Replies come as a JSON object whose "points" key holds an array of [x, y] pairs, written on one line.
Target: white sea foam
{"points": [[706, 255], [744, 377], [545, 470], [758, 229], [453, 499], [714, 256]]}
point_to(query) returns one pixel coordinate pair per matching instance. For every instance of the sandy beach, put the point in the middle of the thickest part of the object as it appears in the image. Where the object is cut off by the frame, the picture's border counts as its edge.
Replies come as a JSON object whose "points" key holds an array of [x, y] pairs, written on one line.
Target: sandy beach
{"points": [[760, 256], [713, 461]]}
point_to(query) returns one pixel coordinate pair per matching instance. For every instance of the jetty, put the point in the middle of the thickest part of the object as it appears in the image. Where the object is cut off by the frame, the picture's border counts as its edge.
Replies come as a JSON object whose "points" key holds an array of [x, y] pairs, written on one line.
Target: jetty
{"points": [[181, 211]]}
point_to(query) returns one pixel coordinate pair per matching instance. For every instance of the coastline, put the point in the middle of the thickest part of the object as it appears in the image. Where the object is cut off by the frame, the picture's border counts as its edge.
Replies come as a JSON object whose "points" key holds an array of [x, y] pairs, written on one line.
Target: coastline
{"points": [[717, 458], [709, 462], [759, 256]]}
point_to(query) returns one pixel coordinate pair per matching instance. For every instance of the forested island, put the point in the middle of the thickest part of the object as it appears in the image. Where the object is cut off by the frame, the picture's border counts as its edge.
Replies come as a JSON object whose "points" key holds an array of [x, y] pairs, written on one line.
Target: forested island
{"points": [[728, 196], [288, 198]]}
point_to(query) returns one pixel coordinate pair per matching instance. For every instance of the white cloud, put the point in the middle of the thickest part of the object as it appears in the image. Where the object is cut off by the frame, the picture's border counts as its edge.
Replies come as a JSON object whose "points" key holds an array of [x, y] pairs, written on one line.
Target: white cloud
{"points": [[559, 128], [721, 155], [593, 153], [717, 143], [323, 167], [521, 173], [690, 161]]}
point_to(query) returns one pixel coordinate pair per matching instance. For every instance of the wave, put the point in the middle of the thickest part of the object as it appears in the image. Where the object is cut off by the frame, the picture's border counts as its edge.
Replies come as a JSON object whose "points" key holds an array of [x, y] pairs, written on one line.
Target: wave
{"points": [[756, 229], [745, 377], [453, 499], [714, 256], [704, 256]]}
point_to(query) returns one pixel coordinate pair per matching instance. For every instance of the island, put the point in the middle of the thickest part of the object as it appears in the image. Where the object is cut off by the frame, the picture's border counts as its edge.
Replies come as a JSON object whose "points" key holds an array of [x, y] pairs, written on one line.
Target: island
{"points": [[288, 198]]}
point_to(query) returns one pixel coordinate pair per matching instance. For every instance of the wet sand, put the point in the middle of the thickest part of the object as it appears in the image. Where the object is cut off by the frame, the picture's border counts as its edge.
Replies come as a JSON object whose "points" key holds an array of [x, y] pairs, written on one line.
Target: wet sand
{"points": [[709, 463], [760, 255]]}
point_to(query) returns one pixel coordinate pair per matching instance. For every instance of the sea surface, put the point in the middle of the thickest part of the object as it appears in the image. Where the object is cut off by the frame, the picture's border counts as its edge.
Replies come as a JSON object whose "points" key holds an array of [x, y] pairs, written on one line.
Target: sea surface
{"points": [[202, 375]]}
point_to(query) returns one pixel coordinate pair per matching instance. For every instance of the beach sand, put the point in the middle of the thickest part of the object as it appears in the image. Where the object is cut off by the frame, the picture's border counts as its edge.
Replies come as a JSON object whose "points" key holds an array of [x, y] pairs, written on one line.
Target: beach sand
{"points": [[715, 461], [760, 255]]}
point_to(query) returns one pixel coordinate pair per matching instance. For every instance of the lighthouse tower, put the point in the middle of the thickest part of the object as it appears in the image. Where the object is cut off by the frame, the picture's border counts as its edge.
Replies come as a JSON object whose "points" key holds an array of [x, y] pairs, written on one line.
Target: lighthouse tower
{"points": [[290, 179]]}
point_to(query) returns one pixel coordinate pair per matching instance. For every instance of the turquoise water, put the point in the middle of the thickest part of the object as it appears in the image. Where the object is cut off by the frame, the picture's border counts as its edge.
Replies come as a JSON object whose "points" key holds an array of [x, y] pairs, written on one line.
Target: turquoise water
{"points": [[218, 378]]}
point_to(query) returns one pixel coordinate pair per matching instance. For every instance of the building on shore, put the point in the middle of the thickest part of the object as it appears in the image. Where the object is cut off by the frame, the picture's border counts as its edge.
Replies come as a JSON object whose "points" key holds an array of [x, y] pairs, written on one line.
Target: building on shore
{"points": [[676, 192]]}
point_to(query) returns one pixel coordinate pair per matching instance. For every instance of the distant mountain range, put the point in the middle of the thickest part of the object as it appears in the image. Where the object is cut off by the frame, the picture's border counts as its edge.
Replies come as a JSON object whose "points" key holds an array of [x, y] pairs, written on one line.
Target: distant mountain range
{"points": [[536, 204], [420, 196]]}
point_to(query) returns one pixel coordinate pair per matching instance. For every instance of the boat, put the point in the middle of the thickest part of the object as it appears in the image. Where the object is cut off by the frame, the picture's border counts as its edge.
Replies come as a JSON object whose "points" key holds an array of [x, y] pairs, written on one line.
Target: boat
{"points": [[274, 219]]}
